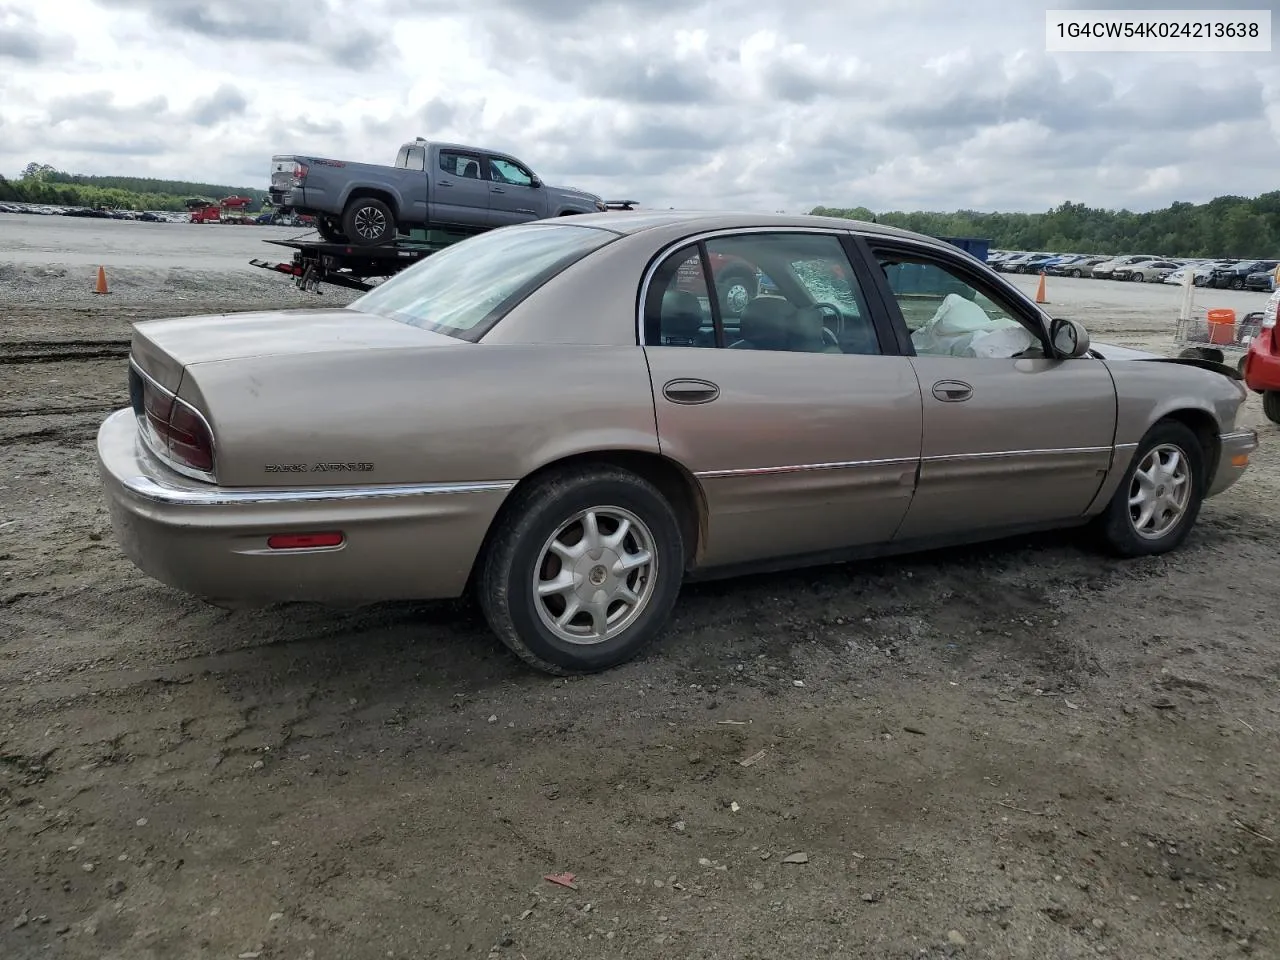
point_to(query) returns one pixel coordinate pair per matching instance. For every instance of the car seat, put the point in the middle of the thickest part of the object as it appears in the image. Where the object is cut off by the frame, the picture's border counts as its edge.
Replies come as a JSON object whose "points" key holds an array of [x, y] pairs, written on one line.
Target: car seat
{"points": [[471, 169], [771, 323], [680, 321], [764, 325]]}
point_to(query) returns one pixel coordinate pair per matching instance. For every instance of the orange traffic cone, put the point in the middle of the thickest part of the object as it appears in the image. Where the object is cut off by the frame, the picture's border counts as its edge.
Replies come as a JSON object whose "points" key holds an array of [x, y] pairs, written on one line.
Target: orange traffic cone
{"points": [[102, 282], [1040, 297]]}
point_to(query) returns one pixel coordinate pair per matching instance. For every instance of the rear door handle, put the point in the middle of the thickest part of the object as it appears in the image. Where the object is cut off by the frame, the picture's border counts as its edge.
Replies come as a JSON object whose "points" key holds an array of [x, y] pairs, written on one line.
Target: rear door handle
{"points": [[690, 391], [952, 391], [444, 183]]}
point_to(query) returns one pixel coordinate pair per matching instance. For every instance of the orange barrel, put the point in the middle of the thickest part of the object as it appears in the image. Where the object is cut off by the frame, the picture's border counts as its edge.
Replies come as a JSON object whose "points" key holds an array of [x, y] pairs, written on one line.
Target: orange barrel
{"points": [[1222, 325]]}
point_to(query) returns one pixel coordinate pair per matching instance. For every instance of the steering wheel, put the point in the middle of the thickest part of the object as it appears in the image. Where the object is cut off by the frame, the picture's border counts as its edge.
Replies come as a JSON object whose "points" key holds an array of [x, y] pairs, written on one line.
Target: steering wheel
{"points": [[830, 309], [829, 336]]}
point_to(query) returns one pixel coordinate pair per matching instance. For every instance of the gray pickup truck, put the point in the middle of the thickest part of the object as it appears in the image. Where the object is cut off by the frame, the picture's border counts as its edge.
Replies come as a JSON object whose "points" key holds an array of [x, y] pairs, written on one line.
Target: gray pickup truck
{"points": [[430, 184]]}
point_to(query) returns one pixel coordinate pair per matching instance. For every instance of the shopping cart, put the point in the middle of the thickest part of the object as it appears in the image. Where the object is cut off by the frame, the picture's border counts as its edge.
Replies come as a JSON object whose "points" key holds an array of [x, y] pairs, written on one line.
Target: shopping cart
{"points": [[1220, 343]]}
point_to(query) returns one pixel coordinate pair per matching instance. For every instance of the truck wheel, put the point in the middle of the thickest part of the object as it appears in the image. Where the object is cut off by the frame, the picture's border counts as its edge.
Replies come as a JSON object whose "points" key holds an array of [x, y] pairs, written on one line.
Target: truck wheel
{"points": [[368, 221], [736, 291], [1271, 405], [328, 229]]}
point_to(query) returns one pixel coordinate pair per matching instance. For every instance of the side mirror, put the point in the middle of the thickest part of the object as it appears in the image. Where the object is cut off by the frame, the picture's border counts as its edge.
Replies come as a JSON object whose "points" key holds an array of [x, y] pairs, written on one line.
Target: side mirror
{"points": [[1069, 339], [535, 181]]}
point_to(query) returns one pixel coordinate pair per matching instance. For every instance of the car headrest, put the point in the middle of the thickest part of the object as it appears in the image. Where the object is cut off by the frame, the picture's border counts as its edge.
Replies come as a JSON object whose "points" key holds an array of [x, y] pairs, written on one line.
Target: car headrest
{"points": [[681, 315], [766, 323]]}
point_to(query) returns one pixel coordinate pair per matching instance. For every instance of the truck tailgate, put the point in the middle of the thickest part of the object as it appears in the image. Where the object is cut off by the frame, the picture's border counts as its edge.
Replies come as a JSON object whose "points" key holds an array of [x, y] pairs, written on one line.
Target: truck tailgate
{"points": [[282, 173]]}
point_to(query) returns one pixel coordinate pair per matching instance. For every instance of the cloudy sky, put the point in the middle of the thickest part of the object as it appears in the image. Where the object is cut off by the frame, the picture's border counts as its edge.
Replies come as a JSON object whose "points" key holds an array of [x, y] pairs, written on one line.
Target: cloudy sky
{"points": [[763, 105]]}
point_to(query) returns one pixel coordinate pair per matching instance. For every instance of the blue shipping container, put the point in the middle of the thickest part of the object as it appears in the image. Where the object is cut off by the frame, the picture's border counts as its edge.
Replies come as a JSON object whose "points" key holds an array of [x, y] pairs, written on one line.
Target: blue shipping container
{"points": [[974, 246], [921, 280]]}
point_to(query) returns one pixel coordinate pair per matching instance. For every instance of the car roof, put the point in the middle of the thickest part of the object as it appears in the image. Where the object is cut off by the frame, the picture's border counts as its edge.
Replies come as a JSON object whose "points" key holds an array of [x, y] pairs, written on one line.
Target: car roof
{"points": [[628, 222]]}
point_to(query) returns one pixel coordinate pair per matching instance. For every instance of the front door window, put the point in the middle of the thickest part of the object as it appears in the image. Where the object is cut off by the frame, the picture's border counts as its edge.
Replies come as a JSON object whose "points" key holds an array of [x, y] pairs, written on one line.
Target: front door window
{"points": [[504, 171], [948, 316]]}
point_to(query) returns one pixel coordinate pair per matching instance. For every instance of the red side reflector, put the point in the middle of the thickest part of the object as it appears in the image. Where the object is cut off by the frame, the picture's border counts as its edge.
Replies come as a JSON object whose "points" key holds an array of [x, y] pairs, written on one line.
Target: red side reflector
{"points": [[303, 541]]}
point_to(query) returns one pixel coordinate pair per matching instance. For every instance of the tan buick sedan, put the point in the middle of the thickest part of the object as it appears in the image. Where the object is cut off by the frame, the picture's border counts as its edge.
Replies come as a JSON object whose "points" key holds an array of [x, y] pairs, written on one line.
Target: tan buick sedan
{"points": [[571, 418]]}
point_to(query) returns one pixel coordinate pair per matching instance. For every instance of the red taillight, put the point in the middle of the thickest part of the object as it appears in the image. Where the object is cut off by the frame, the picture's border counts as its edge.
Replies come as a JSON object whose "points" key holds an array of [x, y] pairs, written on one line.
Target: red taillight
{"points": [[304, 541], [179, 432], [189, 440], [299, 172]]}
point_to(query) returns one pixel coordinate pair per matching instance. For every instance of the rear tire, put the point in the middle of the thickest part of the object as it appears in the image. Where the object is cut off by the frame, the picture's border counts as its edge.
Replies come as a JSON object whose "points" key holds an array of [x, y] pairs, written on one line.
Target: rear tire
{"points": [[367, 222], [624, 587], [1153, 514], [1271, 405], [329, 230]]}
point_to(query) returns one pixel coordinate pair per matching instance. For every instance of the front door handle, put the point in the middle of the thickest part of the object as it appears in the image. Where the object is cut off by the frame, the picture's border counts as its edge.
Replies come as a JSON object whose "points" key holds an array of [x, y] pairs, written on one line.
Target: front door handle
{"points": [[952, 391], [690, 391], [497, 190]]}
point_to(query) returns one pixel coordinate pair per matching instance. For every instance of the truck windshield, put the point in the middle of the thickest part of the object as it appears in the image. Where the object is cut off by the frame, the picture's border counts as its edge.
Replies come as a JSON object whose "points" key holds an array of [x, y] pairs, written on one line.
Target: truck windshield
{"points": [[468, 287]]}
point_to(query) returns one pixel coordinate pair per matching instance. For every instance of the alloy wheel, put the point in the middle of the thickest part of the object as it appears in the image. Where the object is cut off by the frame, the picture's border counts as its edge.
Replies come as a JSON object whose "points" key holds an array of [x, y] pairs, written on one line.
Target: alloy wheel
{"points": [[595, 575], [1159, 491]]}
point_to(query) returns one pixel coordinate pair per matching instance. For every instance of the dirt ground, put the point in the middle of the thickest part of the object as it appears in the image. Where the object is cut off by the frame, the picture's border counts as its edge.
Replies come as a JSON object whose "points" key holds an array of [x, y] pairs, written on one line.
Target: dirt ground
{"points": [[1023, 749]]}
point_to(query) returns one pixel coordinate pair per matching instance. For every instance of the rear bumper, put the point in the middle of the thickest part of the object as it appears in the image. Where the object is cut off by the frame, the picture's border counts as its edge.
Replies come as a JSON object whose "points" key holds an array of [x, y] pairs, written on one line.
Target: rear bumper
{"points": [[401, 542], [1233, 460], [301, 200]]}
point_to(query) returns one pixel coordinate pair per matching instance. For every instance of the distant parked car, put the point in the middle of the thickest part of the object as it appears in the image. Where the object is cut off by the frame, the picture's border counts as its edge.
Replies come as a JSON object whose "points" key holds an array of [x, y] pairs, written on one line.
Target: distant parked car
{"points": [[1081, 266], [1024, 262], [1107, 269], [1264, 280], [1233, 277], [1010, 263], [1149, 271], [1201, 271]]}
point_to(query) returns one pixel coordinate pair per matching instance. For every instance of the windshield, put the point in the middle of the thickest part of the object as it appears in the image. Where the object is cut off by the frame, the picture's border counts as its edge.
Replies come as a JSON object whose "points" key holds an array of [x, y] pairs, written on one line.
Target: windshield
{"points": [[466, 288]]}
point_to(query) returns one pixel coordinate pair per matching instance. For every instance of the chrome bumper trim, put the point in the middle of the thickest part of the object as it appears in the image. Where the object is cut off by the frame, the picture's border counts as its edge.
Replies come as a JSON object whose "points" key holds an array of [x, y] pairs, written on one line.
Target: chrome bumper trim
{"points": [[1246, 441], [148, 489]]}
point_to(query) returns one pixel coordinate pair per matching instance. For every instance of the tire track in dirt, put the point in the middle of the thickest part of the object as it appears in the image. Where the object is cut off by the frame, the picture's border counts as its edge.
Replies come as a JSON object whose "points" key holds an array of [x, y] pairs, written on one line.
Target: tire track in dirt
{"points": [[102, 408], [53, 351]]}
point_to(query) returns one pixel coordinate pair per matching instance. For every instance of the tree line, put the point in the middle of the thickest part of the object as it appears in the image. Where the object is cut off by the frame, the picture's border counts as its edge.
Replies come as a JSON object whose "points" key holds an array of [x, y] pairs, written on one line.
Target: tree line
{"points": [[1227, 226], [41, 183]]}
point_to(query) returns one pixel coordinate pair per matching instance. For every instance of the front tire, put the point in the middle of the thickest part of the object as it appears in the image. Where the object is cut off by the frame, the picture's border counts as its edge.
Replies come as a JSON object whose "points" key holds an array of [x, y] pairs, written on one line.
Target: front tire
{"points": [[1271, 405], [367, 222], [1157, 502], [736, 290], [583, 570]]}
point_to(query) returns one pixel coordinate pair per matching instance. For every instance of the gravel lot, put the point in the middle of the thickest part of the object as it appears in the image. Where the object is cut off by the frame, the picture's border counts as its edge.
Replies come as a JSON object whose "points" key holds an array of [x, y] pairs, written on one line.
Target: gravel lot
{"points": [[1024, 749]]}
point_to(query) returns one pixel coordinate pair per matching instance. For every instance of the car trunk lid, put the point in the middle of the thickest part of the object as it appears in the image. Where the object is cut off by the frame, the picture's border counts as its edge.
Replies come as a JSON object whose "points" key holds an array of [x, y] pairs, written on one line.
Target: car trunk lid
{"points": [[164, 348]]}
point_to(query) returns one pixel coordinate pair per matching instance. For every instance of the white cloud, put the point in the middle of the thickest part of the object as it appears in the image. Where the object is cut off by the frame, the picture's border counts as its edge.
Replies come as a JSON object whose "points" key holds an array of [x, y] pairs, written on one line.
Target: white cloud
{"points": [[883, 103]]}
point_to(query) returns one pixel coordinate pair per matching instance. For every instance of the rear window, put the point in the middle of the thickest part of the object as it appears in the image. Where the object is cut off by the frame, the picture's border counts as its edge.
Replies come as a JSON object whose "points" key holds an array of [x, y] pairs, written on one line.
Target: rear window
{"points": [[466, 288]]}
